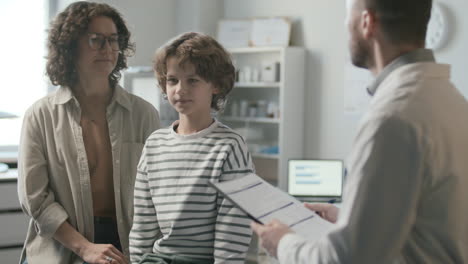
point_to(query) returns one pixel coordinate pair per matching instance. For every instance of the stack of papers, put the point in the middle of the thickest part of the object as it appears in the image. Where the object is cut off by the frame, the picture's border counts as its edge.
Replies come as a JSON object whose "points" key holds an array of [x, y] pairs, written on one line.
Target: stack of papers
{"points": [[263, 202]]}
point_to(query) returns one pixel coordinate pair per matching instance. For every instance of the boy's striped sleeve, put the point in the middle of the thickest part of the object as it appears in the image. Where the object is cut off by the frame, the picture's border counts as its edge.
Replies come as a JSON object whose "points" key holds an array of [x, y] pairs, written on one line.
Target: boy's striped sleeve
{"points": [[145, 229], [232, 231]]}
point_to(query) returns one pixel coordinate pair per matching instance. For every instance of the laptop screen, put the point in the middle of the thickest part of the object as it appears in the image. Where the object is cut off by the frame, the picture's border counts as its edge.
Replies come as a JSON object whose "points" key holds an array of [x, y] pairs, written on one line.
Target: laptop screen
{"points": [[315, 179]]}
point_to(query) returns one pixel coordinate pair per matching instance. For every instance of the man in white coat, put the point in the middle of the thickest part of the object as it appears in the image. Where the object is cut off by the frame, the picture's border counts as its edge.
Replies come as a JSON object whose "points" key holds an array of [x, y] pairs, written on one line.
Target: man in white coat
{"points": [[406, 198]]}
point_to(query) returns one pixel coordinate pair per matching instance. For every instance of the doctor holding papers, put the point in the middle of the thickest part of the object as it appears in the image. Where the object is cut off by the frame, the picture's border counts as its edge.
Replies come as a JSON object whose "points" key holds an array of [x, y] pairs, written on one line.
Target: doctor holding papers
{"points": [[263, 203], [405, 198]]}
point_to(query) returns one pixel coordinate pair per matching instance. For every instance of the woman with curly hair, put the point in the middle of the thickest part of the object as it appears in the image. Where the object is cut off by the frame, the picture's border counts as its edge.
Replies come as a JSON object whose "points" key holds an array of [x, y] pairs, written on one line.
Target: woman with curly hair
{"points": [[81, 144]]}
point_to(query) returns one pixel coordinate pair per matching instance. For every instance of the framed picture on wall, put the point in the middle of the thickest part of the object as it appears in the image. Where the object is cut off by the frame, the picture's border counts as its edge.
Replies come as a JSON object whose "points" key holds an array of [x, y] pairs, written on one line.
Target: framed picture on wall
{"points": [[234, 33], [274, 31]]}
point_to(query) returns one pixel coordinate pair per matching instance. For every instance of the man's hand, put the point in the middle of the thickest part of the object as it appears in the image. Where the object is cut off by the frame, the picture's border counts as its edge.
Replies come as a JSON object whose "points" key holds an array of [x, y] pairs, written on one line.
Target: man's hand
{"points": [[327, 211], [270, 234]]}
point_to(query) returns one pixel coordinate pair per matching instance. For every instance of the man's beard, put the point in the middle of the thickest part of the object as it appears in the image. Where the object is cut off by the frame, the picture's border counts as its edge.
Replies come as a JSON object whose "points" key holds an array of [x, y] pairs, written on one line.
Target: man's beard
{"points": [[360, 54]]}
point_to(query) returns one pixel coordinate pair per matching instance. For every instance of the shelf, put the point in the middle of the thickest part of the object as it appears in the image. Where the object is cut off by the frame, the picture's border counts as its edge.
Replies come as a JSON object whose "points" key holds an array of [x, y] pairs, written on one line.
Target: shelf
{"points": [[285, 92], [265, 156], [257, 85], [251, 119]]}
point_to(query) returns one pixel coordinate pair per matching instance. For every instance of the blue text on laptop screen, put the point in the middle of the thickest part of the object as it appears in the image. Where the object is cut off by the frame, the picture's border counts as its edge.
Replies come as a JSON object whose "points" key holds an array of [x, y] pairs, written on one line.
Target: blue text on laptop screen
{"points": [[315, 177]]}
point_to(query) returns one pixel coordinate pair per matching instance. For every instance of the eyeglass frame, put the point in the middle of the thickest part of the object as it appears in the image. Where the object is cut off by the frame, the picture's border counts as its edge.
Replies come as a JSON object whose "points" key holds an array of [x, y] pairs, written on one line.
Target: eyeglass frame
{"points": [[106, 39]]}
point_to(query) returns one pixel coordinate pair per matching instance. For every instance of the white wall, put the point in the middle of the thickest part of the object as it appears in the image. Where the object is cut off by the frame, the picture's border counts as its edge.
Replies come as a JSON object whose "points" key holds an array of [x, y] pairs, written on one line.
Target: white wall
{"points": [[199, 15], [151, 23], [320, 28], [62, 4]]}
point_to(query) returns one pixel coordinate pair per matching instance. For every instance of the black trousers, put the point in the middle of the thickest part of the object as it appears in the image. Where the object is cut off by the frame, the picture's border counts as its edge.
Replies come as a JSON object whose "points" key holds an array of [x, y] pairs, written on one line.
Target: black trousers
{"points": [[106, 232]]}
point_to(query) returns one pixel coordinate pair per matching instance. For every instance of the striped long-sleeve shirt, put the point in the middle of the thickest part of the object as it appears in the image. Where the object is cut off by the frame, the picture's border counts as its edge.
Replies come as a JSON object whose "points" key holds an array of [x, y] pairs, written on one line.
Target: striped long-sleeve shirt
{"points": [[176, 212]]}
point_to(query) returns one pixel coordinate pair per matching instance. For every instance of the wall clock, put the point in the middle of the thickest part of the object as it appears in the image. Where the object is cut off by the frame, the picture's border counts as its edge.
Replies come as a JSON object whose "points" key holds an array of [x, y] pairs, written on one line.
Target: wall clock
{"points": [[436, 36]]}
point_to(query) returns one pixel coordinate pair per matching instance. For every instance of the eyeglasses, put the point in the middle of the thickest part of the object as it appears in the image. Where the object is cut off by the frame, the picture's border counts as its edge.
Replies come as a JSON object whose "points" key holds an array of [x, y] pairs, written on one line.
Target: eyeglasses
{"points": [[97, 41]]}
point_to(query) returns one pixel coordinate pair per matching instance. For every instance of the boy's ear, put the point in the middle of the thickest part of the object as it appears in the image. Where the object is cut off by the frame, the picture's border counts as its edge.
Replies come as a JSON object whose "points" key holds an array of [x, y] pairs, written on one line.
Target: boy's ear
{"points": [[216, 90]]}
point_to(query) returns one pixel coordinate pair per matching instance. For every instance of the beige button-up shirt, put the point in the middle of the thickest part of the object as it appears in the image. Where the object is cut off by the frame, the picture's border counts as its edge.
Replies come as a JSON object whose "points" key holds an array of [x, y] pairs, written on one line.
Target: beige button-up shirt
{"points": [[406, 195], [54, 180]]}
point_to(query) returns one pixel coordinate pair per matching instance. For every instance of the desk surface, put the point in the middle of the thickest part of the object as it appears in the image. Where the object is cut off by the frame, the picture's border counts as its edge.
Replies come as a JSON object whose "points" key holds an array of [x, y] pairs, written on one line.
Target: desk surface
{"points": [[10, 176]]}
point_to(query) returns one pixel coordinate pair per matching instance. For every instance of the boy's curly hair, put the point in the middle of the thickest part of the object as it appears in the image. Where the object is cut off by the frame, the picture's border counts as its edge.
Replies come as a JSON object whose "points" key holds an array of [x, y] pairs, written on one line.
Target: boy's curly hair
{"points": [[65, 32], [211, 61]]}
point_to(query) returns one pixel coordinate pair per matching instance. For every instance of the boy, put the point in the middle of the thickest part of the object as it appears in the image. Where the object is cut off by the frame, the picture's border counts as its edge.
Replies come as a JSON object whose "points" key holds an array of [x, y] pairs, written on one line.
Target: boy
{"points": [[178, 217]]}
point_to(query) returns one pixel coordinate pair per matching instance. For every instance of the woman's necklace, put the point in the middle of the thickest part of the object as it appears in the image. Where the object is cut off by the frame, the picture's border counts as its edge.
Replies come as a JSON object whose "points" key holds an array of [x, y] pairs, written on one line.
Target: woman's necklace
{"points": [[94, 111]]}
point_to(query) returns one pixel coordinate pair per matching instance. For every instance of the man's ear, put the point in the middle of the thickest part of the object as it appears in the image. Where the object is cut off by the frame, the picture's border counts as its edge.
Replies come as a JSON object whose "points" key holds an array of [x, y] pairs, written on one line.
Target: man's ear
{"points": [[368, 24]]}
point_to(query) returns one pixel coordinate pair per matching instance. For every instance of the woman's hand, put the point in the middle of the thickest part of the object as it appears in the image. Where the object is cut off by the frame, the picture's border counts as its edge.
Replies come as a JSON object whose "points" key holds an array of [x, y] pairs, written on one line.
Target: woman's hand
{"points": [[91, 253], [101, 254], [327, 211]]}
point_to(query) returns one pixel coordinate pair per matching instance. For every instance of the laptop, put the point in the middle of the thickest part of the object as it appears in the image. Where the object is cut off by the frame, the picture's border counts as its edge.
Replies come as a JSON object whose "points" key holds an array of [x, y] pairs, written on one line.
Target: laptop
{"points": [[314, 180]]}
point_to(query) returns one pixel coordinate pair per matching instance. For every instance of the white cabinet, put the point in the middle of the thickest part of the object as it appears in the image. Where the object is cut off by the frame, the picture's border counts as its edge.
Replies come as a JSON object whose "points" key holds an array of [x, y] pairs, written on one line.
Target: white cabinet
{"points": [[10, 255], [13, 222], [266, 107]]}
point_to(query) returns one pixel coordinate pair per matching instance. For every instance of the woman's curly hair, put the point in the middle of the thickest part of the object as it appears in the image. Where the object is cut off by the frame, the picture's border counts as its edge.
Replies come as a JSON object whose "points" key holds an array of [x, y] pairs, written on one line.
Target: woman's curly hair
{"points": [[211, 61], [65, 32]]}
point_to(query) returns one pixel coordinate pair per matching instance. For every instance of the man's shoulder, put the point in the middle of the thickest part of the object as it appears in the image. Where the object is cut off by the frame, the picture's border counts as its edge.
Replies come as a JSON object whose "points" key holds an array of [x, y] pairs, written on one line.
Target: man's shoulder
{"points": [[416, 73], [408, 92]]}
